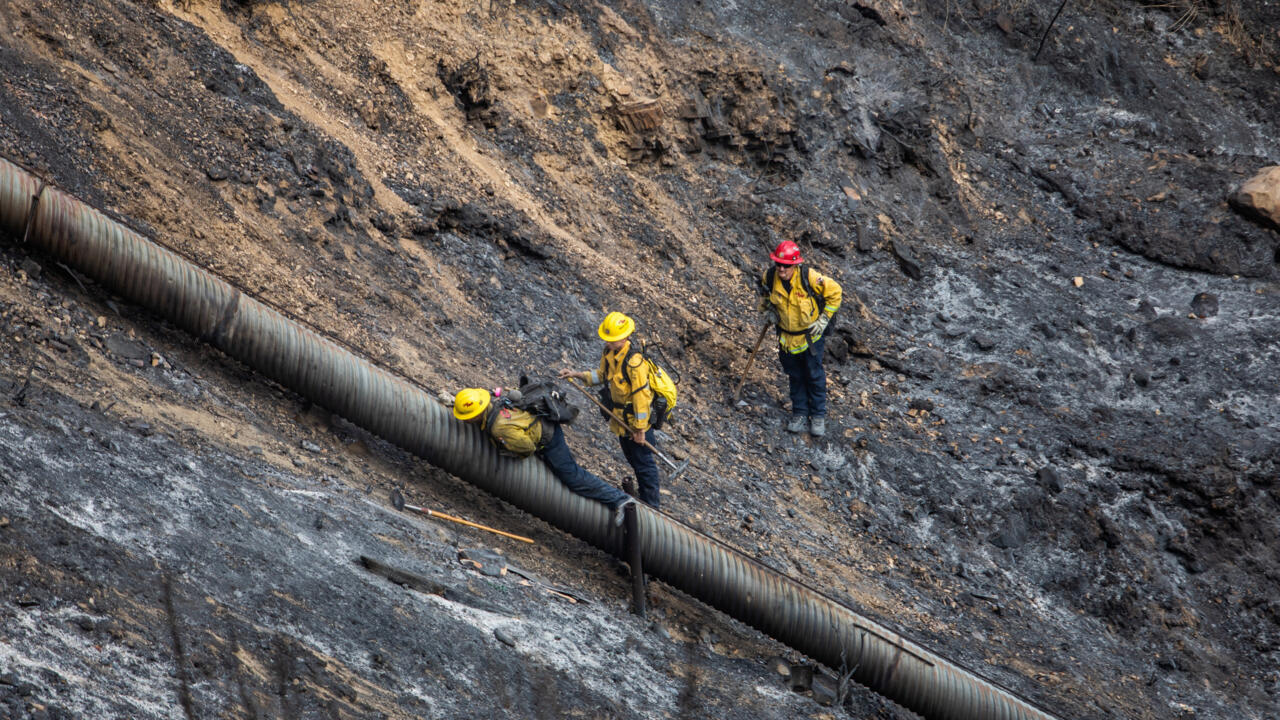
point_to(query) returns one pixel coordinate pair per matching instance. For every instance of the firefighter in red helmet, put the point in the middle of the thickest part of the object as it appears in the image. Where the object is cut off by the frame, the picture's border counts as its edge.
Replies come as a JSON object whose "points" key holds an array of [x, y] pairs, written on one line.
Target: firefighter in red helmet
{"points": [[800, 302]]}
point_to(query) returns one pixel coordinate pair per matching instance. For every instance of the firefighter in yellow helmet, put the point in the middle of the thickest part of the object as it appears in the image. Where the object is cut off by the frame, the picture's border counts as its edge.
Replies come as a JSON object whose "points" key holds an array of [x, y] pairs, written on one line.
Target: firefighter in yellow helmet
{"points": [[626, 375], [800, 301], [519, 433]]}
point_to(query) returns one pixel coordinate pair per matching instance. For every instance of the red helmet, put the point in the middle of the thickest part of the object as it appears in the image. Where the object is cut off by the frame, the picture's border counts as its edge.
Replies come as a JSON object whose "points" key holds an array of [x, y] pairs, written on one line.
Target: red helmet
{"points": [[787, 253]]}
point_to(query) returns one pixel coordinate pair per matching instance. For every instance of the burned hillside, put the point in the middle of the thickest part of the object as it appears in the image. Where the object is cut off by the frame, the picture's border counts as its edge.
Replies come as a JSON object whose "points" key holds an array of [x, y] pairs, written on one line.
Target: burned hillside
{"points": [[1051, 454]]}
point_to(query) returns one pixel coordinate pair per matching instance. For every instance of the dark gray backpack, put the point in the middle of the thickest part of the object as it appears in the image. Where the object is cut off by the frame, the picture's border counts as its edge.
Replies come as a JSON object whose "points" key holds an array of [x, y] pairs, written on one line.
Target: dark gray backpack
{"points": [[544, 400]]}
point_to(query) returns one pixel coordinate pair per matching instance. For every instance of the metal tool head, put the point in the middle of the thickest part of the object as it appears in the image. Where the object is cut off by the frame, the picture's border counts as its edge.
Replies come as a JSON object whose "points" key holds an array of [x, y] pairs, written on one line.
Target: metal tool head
{"points": [[681, 468], [397, 500]]}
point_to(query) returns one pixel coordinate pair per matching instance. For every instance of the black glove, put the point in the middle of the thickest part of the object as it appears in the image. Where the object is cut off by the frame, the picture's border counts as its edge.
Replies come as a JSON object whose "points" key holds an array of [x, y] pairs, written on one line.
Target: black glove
{"points": [[770, 312]]}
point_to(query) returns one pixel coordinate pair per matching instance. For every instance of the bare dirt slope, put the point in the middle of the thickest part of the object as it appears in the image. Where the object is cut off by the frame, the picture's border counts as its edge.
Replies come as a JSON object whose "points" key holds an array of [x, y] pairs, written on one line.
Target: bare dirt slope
{"points": [[1068, 485]]}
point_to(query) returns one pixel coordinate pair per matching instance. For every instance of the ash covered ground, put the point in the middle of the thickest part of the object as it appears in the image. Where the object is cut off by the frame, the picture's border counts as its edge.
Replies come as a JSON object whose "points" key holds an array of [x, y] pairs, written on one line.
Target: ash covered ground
{"points": [[1069, 486]]}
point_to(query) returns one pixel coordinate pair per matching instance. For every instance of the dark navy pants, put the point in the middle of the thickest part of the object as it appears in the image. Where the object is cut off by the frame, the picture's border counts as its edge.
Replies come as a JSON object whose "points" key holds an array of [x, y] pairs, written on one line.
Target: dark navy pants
{"points": [[807, 379], [555, 452], [646, 467]]}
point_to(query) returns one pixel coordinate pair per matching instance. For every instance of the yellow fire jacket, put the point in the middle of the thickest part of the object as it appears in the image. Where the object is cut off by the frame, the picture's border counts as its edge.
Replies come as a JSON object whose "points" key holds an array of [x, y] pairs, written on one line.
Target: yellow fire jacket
{"points": [[517, 433], [630, 391], [797, 311]]}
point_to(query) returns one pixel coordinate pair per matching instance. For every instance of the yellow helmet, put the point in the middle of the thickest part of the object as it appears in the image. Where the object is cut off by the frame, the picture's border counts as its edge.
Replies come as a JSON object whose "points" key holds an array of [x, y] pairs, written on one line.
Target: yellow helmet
{"points": [[616, 326], [470, 402]]}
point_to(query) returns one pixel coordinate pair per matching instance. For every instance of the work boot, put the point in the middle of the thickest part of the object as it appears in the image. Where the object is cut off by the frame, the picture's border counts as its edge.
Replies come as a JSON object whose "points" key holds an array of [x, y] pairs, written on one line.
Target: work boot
{"points": [[620, 512], [817, 426], [796, 424]]}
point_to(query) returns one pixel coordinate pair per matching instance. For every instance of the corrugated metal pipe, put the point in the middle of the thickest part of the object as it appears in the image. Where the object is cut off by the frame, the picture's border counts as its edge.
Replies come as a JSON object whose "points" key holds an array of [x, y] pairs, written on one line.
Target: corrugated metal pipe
{"points": [[318, 369]]}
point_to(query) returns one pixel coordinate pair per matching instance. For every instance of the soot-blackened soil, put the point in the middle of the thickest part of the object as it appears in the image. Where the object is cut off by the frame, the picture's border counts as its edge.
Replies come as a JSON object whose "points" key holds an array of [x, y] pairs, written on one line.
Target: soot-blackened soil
{"points": [[1052, 454]]}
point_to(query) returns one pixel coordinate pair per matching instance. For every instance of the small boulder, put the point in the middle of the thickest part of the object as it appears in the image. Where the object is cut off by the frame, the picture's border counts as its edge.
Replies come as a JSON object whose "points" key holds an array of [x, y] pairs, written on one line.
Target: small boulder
{"points": [[1050, 479], [924, 404], [217, 171], [1171, 329], [906, 260], [1259, 197], [384, 221], [927, 363], [504, 637], [1141, 376], [838, 347], [1204, 305]]}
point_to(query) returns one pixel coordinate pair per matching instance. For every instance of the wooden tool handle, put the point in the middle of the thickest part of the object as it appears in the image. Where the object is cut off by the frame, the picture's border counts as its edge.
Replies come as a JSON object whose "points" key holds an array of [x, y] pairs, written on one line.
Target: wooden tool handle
{"points": [[444, 516], [738, 390]]}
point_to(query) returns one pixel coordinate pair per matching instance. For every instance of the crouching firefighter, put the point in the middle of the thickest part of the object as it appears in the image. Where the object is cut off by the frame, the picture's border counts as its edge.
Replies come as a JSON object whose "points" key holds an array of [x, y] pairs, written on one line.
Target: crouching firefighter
{"points": [[639, 391], [800, 302], [517, 432]]}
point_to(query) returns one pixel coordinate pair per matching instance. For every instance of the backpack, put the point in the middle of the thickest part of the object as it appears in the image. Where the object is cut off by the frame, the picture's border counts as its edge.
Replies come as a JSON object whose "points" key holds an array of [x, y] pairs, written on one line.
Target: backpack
{"points": [[543, 399], [664, 391], [803, 272]]}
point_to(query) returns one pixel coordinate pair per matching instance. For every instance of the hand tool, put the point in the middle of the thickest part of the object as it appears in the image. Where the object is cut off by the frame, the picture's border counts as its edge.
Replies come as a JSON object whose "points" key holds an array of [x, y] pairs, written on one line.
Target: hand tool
{"points": [[738, 390], [397, 501], [676, 469]]}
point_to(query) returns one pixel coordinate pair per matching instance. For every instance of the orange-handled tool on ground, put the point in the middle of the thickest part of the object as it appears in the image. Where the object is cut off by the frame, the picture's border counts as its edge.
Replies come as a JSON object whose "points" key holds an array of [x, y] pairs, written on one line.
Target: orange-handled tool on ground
{"points": [[397, 501]]}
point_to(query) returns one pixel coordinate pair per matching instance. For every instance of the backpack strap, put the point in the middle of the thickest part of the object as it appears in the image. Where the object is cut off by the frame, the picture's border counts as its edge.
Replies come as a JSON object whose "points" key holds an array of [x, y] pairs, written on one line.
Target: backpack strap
{"points": [[498, 405], [772, 273], [803, 271], [804, 283], [495, 407], [626, 363], [819, 299]]}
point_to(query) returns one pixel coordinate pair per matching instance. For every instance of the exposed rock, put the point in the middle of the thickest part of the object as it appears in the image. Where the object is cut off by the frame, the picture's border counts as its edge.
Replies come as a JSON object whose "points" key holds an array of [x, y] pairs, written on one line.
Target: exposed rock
{"points": [[1204, 305], [1050, 479], [217, 171], [126, 348], [865, 137], [1259, 197], [927, 363], [906, 260], [639, 116], [470, 85], [1171, 329], [924, 404]]}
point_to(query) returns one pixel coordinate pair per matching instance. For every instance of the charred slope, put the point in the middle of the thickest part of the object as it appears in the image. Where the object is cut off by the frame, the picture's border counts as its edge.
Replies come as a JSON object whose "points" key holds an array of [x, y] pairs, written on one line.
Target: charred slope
{"points": [[1070, 487]]}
